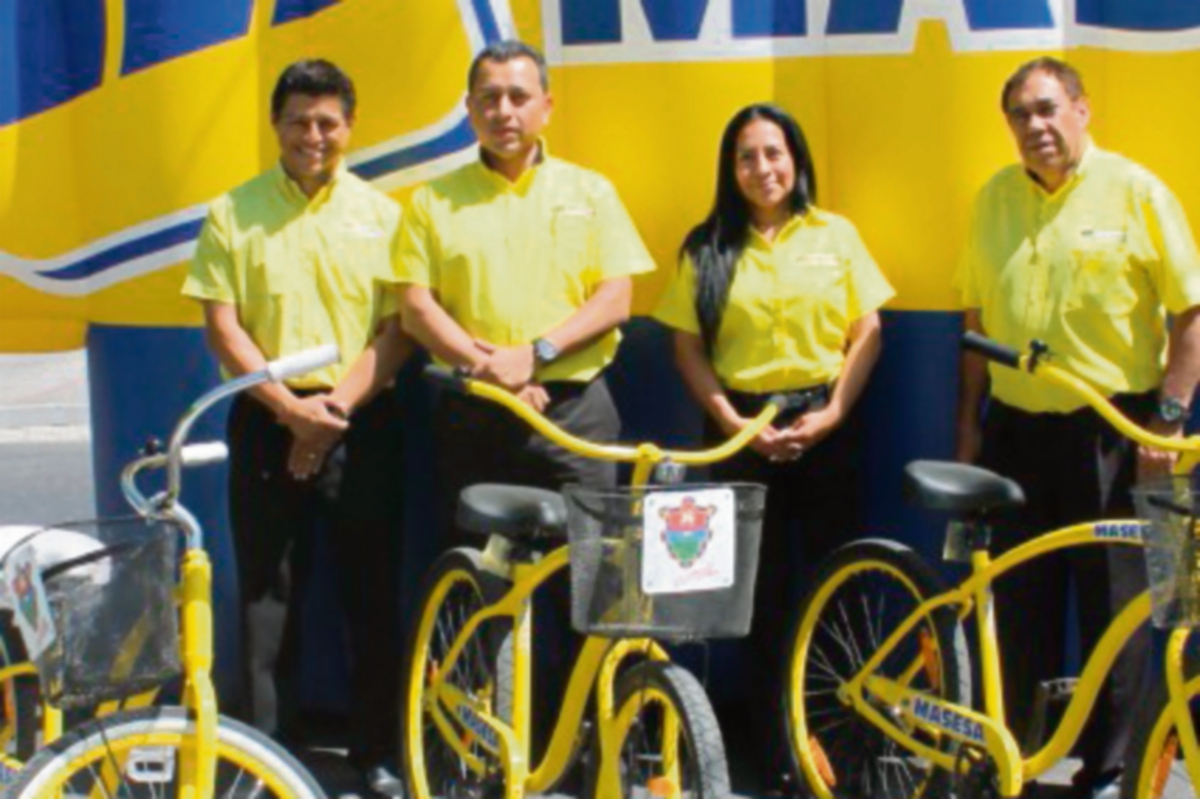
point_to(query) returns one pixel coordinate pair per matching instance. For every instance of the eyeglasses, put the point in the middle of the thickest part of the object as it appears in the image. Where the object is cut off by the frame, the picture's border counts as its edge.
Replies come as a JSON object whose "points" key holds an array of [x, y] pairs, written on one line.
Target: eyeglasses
{"points": [[1020, 115]]}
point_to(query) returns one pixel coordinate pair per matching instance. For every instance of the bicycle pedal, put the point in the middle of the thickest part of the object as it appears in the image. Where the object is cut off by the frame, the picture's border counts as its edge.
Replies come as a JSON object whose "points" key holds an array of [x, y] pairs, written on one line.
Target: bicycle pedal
{"points": [[1051, 694]]}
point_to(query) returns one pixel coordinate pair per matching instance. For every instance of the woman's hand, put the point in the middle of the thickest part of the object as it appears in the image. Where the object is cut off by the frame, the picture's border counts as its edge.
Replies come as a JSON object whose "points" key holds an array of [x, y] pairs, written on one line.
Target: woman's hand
{"points": [[808, 430]]}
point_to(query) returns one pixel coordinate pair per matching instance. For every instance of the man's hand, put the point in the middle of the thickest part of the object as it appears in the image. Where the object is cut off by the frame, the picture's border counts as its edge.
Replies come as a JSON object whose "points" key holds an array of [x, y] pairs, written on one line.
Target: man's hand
{"points": [[534, 395], [1153, 462], [508, 367], [316, 423]]}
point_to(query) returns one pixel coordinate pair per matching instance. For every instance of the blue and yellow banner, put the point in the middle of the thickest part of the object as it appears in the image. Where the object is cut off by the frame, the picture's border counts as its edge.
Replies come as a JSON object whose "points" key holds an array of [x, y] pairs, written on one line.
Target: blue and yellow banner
{"points": [[120, 119]]}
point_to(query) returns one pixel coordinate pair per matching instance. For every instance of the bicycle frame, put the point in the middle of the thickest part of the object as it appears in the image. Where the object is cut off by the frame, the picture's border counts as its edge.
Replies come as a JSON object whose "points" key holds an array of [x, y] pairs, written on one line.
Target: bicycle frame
{"points": [[599, 658], [987, 729]]}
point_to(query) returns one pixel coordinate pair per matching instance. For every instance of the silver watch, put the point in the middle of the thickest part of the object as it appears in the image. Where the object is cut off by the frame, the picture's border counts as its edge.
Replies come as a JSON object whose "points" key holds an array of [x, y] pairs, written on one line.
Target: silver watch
{"points": [[544, 351], [1172, 410]]}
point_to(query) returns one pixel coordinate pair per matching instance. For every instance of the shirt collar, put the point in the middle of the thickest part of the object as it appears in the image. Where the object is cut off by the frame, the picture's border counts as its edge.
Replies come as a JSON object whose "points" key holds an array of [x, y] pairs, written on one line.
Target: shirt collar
{"points": [[809, 218], [522, 184], [1077, 175], [292, 192]]}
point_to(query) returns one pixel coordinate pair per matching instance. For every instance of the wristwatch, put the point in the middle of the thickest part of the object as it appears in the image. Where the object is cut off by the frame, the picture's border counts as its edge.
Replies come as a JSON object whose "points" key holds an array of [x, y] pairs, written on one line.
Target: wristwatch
{"points": [[1172, 410], [544, 351]]}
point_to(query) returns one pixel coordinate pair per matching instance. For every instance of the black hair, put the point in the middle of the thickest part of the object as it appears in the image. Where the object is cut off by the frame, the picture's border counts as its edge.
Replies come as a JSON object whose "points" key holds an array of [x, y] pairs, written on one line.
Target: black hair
{"points": [[507, 50], [315, 78], [1066, 74], [716, 244]]}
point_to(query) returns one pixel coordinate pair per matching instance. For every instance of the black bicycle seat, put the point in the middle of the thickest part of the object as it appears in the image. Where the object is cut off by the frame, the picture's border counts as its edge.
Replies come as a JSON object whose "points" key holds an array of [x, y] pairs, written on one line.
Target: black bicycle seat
{"points": [[959, 488], [516, 512]]}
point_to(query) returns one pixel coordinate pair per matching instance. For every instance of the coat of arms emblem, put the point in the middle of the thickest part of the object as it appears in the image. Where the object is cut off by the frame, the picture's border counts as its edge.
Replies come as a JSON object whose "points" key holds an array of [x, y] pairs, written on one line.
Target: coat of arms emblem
{"points": [[688, 530]]}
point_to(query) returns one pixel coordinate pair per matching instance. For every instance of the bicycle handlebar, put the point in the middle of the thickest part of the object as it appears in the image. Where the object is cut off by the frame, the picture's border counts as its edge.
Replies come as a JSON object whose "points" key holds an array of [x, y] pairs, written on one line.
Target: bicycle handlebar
{"points": [[458, 381], [1034, 362], [992, 350]]}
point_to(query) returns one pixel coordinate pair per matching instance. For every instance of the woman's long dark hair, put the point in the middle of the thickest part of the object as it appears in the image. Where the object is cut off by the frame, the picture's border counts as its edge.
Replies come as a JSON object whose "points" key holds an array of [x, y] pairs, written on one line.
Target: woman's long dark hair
{"points": [[716, 244]]}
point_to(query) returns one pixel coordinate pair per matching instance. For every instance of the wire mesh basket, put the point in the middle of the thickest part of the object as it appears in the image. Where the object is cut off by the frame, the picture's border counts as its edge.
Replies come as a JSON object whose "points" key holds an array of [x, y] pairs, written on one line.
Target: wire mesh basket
{"points": [[674, 562], [109, 587], [1170, 507]]}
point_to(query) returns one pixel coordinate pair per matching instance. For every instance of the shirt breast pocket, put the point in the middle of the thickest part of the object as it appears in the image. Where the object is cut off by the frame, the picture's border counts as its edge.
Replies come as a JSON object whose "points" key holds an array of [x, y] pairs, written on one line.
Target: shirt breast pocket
{"points": [[572, 234], [1101, 278], [820, 281]]}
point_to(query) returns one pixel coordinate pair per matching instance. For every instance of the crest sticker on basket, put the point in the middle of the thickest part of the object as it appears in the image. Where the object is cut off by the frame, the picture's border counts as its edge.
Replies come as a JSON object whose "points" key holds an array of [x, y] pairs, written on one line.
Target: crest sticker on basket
{"points": [[689, 541], [27, 597]]}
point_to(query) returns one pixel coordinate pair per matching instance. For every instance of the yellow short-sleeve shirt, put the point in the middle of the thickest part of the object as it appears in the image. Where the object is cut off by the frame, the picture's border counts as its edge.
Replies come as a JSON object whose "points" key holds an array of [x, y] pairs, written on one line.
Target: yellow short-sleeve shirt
{"points": [[790, 307], [511, 261], [301, 272], [1091, 270]]}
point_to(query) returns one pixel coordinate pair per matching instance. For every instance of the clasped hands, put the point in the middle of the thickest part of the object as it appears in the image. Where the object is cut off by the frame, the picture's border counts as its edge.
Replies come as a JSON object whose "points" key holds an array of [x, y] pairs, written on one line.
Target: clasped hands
{"points": [[780, 445], [511, 368], [317, 422]]}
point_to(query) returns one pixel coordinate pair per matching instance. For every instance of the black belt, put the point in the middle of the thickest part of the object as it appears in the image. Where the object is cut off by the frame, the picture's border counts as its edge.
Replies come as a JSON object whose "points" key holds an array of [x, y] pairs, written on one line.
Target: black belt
{"points": [[800, 401]]}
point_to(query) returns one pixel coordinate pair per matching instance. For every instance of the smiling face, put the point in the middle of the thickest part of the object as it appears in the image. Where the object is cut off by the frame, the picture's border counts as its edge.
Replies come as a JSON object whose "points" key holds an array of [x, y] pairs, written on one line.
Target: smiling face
{"points": [[765, 169], [1049, 127], [509, 109], [313, 133]]}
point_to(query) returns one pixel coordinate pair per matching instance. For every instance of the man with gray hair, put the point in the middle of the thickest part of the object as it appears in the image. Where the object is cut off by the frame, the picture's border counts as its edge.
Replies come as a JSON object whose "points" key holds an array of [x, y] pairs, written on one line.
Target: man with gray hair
{"points": [[1088, 252]]}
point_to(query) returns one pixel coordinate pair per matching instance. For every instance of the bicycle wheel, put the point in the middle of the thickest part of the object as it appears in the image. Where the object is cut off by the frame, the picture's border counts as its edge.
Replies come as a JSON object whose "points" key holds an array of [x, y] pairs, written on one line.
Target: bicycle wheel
{"points": [[455, 588], [669, 743], [863, 592], [1154, 765], [141, 753]]}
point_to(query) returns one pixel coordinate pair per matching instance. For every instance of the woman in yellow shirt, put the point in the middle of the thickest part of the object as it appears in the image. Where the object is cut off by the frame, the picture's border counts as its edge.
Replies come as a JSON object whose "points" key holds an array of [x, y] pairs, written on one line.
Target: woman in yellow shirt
{"points": [[774, 295]]}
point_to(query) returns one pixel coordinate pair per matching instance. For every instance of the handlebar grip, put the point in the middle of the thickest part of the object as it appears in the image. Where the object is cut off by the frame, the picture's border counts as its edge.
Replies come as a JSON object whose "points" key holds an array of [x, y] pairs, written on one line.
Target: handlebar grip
{"points": [[302, 362], [443, 376], [204, 453], [992, 350]]}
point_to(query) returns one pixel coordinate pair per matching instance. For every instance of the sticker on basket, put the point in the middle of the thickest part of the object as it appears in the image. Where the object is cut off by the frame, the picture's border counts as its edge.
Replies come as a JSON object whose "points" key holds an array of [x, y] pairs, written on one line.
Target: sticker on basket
{"points": [[23, 582], [689, 541]]}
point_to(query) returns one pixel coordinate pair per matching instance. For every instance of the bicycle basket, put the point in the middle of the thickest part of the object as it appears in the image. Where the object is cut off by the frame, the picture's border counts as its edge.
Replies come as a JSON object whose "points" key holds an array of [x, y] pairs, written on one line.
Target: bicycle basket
{"points": [[676, 562], [110, 590], [1170, 507]]}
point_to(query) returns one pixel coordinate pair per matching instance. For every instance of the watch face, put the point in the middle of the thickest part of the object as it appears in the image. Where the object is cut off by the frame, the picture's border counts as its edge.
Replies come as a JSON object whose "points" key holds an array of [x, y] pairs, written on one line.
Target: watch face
{"points": [[544, 351], [1171, 410]]}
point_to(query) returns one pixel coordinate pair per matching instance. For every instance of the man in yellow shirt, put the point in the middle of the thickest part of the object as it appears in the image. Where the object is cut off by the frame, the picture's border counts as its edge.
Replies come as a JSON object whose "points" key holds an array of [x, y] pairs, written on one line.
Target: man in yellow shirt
{"points": [[1088, 252], [518, 266], [295, 258]]}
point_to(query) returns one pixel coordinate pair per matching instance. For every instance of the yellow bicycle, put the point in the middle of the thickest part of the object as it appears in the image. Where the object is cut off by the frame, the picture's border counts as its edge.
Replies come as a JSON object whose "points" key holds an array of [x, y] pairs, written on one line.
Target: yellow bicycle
{"points": [[878, 687], [466, 719], [121, 616]]}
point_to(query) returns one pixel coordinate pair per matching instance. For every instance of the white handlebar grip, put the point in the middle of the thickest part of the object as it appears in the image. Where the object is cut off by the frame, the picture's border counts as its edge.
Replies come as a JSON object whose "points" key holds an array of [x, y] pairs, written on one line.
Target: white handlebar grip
{"points": [[302, 362], [204, 454]]}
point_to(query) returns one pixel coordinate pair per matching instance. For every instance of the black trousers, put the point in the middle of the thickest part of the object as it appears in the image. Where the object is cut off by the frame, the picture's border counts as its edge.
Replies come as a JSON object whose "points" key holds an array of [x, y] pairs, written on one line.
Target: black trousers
{"points": [[1073, 468], [275, 518], [812, 509], [481, 442]]}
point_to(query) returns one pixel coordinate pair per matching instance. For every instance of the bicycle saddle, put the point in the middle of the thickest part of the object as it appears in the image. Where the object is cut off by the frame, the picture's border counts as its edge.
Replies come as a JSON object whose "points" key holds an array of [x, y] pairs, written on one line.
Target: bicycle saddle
{"points": [[515, 512], [959, 488]]}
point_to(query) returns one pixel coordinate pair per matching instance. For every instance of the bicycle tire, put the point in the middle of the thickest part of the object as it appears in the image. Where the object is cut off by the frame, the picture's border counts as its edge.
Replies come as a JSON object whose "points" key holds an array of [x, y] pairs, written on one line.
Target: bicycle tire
{"points": [[841, 622], [1154, 766], [645, 694], [454, 588], [134, 754]]}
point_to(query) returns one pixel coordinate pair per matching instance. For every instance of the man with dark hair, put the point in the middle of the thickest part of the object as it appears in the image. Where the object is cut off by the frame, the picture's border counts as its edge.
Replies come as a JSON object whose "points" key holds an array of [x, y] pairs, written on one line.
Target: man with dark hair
{"points": [[295, 258], [1088, 252], [518, 267]]}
